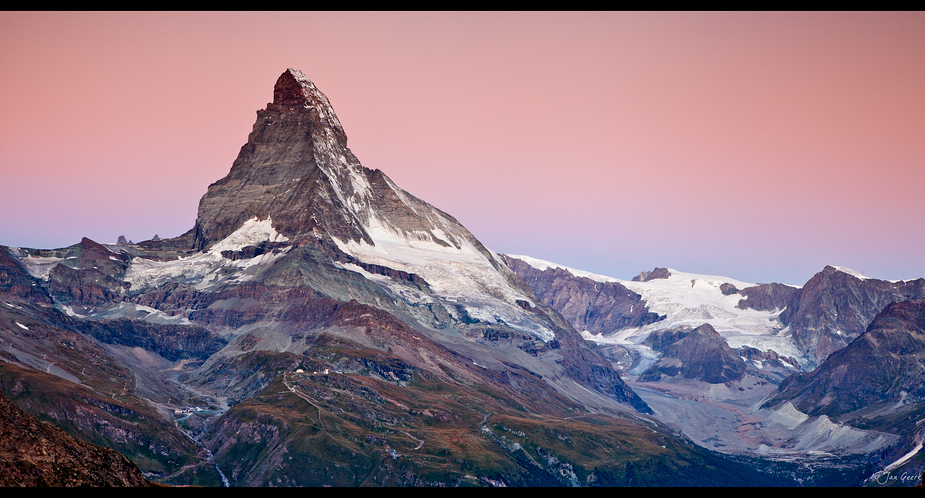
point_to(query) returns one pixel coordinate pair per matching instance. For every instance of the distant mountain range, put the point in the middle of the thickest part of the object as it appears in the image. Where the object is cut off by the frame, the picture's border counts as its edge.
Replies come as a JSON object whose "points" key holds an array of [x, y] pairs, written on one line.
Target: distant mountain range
{"points": [[842, 348], [809, 322]]}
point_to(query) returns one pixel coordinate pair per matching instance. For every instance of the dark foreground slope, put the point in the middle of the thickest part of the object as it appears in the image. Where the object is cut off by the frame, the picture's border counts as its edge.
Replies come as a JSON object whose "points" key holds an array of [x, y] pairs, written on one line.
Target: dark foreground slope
{"points": [[33, 453]]}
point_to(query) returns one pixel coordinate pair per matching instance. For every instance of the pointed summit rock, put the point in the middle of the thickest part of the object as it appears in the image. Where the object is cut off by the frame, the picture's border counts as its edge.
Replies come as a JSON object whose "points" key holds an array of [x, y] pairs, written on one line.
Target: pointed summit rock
{"points": [[295, 169], [293, 91]]}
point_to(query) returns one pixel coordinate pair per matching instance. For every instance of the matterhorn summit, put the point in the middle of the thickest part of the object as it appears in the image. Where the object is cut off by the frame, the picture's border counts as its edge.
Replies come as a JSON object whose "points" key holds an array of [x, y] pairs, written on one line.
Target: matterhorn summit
{"points": [[295, 168], [297, 177]]}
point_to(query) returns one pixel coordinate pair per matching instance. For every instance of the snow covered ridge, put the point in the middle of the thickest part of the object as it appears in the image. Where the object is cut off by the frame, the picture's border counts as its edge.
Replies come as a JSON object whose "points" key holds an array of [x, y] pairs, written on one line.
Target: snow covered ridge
{"points": [[543, 265], [690, 299], [851, 272], [458, 274], [202, 268]]}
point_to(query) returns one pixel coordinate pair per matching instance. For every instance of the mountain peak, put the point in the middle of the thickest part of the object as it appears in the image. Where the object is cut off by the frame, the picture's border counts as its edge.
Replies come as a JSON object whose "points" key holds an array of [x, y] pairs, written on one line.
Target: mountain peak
{"points": [[294, 162], [294, 91], [294, 88]]}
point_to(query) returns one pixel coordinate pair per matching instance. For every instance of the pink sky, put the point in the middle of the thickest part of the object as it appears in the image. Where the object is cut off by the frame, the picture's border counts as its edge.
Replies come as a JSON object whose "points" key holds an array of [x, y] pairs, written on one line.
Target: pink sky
{"points": [[760, 146]]}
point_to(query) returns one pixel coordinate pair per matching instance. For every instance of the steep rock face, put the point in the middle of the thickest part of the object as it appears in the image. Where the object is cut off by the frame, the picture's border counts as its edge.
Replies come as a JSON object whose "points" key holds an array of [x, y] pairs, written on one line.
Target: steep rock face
{"points": [[881, 368], [699, 354], [598, 307], [834, 307], [284, 171], [173, 342], [33, 453], [296, 170]]}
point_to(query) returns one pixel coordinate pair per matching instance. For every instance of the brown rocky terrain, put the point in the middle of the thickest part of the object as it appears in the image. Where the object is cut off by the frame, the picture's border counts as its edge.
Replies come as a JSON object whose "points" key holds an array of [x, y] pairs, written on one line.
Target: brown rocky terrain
{"points": [[835, 307], [34, 453]]}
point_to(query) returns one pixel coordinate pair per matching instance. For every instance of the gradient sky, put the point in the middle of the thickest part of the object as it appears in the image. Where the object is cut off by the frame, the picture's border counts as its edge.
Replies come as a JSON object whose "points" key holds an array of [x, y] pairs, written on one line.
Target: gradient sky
{"points": [[760, 146]]}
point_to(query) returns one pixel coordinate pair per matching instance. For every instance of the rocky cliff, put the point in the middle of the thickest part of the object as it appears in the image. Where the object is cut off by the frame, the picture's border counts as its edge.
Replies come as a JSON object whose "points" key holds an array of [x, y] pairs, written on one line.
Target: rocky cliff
{"points": [[601, 308]]}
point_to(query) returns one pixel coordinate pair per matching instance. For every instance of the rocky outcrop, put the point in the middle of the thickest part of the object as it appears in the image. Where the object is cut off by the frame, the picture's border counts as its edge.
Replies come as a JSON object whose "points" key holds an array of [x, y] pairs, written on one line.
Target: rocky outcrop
{"points": [[173, 342], [728, 289], [699, 354], [645, 276], [767, 297]]}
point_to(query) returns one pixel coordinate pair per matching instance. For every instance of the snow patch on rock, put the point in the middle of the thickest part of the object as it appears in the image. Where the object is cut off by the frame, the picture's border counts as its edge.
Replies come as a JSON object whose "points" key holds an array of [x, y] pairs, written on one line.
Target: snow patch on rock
{"points": [[459, 274], [39, 267], [202, 269]]}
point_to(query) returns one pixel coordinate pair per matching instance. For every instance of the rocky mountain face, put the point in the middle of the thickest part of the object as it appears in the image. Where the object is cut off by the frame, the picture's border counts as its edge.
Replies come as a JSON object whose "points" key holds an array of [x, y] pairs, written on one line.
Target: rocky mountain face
{"points": [[766, 297], [879, 371], [320, 325], [835, 307], [17, 284], [585, 303], [699, 354], [832, 309]]}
